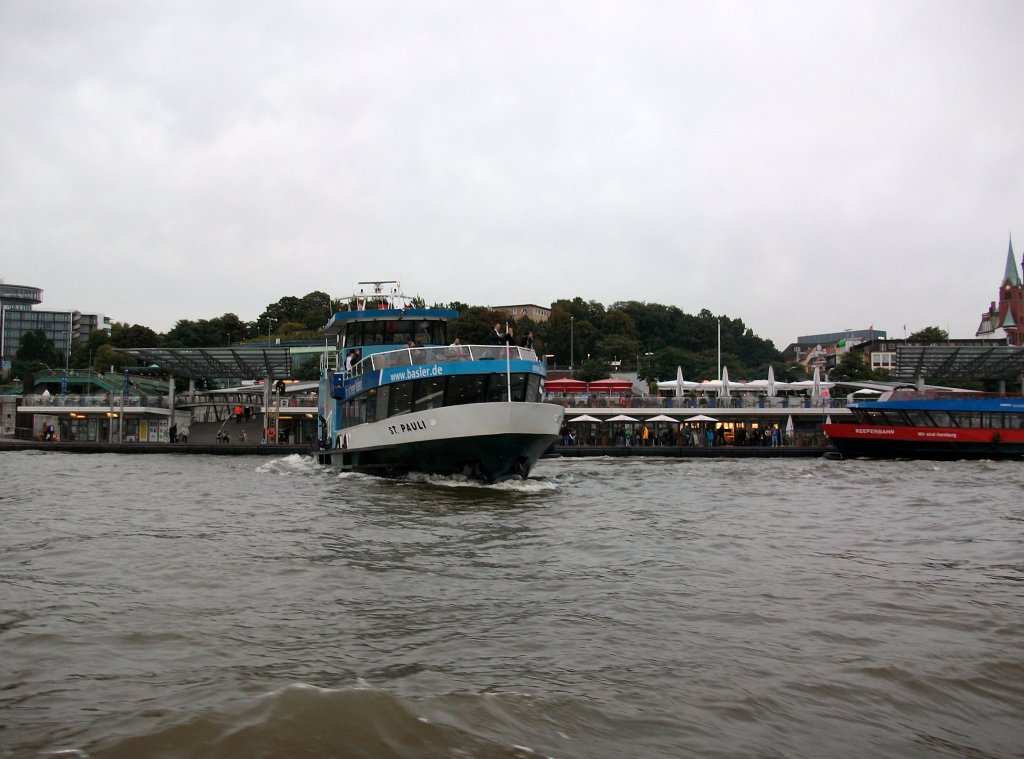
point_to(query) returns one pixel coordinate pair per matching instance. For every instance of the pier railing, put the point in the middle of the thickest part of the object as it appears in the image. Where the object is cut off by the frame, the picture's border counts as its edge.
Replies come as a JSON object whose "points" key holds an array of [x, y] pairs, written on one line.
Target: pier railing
{"points": [[104, 400], [418, 356], [593, 400]]}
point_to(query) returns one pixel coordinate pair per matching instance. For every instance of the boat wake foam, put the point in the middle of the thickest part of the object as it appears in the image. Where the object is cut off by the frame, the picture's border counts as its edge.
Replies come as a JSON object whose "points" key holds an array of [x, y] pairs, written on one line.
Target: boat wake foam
{"points": [[303, 720], [294, 463]]}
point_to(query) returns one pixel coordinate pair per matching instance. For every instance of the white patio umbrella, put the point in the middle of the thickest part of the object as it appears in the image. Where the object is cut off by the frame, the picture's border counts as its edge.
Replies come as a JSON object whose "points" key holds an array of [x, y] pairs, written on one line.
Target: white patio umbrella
{"points": [[622, 418], [816, 383], [771, 381], [660, 418], [673, 385], [700, 418], [584, 418], [789, 428], [679, 382], [725, 382]]}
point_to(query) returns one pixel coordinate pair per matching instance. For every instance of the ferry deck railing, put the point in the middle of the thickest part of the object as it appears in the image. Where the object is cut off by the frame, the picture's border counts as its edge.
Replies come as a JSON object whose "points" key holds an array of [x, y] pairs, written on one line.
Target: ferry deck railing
{"points": [[441, 354]]}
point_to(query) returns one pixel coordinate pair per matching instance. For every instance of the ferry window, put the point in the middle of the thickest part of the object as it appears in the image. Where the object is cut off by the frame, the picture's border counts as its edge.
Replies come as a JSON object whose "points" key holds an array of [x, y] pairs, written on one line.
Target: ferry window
{"points": [[428, 393], [970, 420], [374, 334], [942, 419], [370, 405], [497, 388], [875, 417], [353, 335], [533, 394], [382, 402], [465, 388], [431, 332], [918, 419], [398, 333], [422, 333], [355, 412], [519, 387], [400, 400]]}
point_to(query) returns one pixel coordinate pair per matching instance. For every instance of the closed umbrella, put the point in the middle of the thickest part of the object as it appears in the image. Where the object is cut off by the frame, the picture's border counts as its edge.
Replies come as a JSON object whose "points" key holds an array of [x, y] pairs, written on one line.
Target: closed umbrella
{"points": [[725, 382], [771, 381]]}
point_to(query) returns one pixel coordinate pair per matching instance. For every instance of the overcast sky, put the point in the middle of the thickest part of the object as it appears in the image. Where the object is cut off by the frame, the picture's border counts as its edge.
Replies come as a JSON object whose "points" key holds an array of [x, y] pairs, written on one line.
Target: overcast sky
{"points": [[805, 166]]}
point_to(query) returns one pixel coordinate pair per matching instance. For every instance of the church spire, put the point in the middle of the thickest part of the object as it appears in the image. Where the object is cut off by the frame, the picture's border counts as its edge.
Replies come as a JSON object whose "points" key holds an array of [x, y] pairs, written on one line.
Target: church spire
{"points": [[1011, 277]]}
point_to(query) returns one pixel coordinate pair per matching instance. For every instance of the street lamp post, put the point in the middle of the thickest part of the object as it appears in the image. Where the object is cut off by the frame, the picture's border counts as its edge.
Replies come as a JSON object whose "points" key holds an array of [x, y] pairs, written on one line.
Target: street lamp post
{"points": [[270, 323], [572, 340]]}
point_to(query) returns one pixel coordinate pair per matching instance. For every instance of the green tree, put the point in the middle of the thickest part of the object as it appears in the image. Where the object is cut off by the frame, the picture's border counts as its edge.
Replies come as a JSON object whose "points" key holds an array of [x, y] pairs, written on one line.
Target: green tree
{"points": [[206, 333], [592, 369], [851, 366], [84, 353], [132, 336], [929, 335], [309, 369], [473, 327], [36, 352]]}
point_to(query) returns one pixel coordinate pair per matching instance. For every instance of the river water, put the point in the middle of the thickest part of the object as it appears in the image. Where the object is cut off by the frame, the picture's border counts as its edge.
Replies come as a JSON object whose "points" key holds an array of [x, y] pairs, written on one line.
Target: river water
{"points": [[182, 606]]}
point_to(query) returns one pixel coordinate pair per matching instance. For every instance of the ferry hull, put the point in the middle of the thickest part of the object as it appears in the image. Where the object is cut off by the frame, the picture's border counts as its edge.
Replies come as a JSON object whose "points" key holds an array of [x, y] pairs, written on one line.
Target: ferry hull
{"points": [[940, 444], [489, 442]]}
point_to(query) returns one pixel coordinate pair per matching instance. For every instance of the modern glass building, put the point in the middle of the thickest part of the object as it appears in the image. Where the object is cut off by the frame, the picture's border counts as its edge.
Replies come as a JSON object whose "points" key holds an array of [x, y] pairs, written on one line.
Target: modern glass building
{"points": [[17, 318]]}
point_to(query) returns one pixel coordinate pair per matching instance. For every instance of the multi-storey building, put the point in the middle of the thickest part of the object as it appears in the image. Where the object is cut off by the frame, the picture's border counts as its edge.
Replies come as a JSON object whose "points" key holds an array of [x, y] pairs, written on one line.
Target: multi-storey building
{"points": [[17, 318]]}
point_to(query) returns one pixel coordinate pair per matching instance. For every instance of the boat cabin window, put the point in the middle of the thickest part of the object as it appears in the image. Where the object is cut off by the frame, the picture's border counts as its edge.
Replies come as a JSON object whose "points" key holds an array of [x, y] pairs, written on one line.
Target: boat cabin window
{"points": [[918, 419], [465, 388], [400, 400], [434, 392], [428, 393], [970, 420], [396, 332]]}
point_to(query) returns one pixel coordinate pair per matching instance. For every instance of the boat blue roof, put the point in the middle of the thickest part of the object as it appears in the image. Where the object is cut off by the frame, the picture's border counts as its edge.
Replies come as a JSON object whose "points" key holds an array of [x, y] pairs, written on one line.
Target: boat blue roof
{"points": [[340, 319], [1015, 404]]}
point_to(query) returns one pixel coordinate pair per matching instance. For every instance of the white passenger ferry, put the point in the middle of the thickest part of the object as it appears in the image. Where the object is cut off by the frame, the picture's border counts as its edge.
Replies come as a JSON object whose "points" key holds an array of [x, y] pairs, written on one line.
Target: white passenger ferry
{"points": [[402, 399]]}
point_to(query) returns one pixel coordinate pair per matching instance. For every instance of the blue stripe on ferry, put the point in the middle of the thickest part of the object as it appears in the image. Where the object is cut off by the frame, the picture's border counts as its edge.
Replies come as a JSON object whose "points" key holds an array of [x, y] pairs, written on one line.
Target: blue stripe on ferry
{"points": [[948, 404], [355, 385]]}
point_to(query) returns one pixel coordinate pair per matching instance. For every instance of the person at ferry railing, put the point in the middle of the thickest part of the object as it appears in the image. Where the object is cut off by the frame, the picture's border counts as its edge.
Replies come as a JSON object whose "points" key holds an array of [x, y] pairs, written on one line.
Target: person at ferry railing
{"points": [[497, 336], [527, 341]]}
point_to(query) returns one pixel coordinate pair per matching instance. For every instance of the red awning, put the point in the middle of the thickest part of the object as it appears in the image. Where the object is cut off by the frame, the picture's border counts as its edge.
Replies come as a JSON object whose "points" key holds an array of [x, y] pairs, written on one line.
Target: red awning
{"points": [[610, 386], [565, 386]]}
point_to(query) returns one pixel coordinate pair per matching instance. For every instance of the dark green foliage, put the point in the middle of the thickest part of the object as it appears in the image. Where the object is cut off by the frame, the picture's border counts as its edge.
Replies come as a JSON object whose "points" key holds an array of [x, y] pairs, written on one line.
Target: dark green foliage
{"points": [[929, 335], [36, 353], [473, 327], [650, 338], [851, 367], [36, 346], [309, 370], [206, 333]]}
